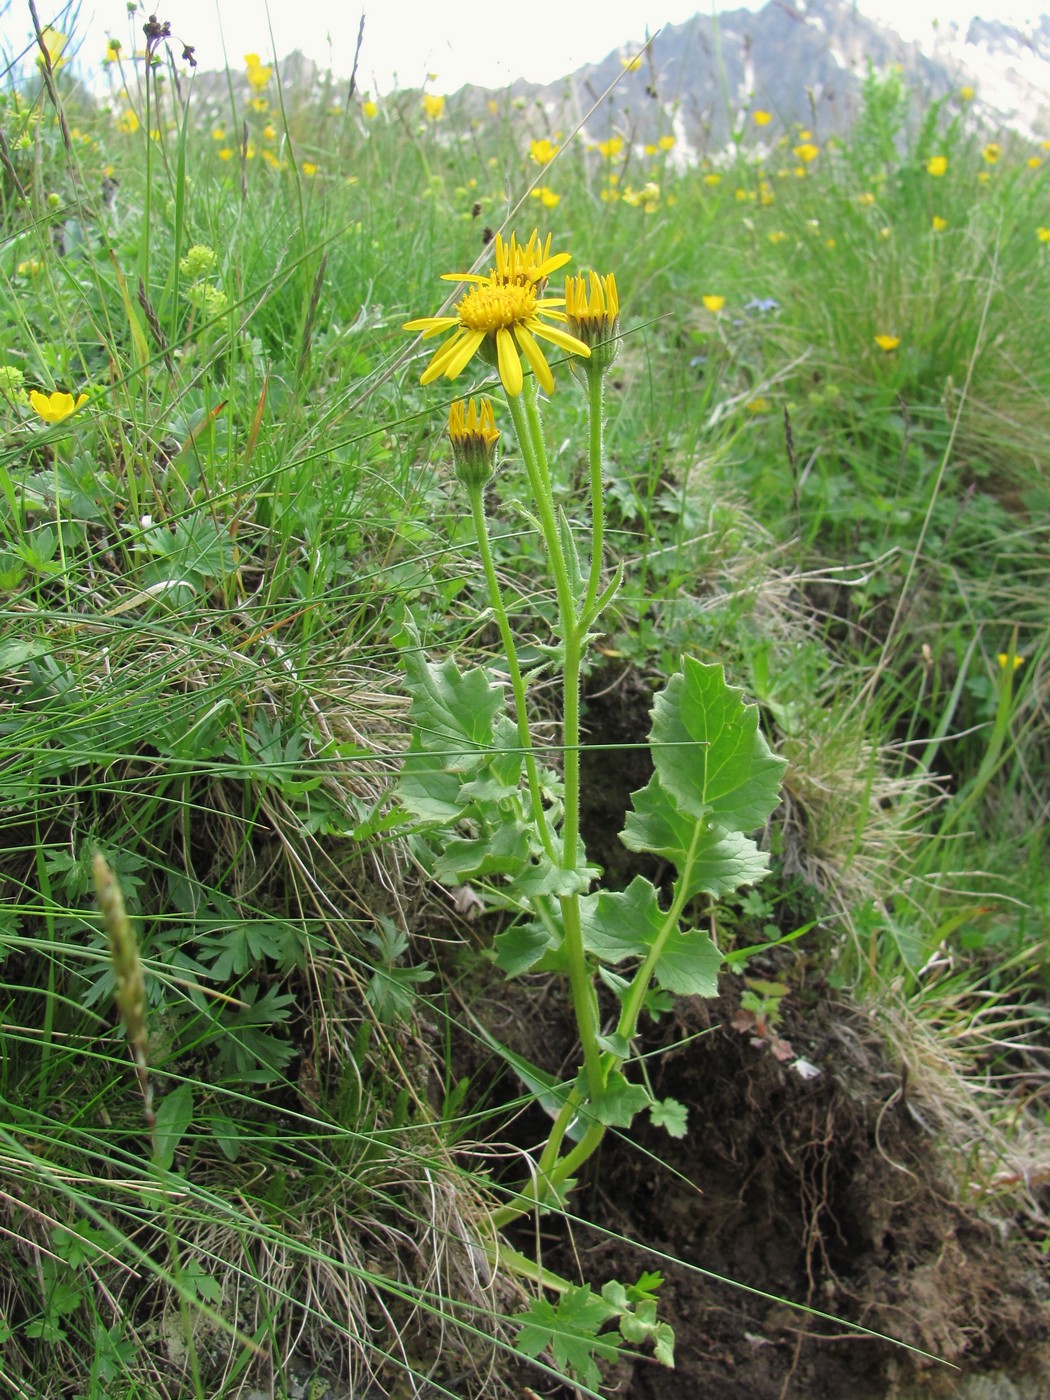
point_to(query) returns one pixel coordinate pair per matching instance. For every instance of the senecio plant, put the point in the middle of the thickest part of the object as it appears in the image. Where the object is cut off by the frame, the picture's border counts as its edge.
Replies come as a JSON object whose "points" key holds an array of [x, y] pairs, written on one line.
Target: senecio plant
{"points": [[491, 810]]}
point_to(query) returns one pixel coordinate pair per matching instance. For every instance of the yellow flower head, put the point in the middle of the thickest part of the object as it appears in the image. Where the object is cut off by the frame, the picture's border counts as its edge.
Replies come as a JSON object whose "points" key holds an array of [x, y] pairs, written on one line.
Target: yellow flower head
{"points": [[308, 168], [610, 149], [886, 343], [128, 121], [1043, 234], [543, 151], [473, 436], [369, 109], [594, 317], [937, 165], [666, 143], [939, 223], [866, 200], [547, 197], [1033, 162], [1004, 661], [55, 406], [992, 152], [761, 118], [433, 106], [966, 93], [712, 178], [631, 65], [113, 47], [501, 316], [714, 303], [806, 151]]}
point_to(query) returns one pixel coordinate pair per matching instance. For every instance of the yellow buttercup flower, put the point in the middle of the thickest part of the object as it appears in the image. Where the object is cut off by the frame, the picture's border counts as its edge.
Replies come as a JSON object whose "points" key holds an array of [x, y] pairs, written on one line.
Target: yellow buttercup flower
{"points": [[714, 303], [259, 74], [1033, 162], [966, 93], [501, 317], [806, 151], [631, 65], [611, 148], [547, 197], [1043, 234], [369, 109], [886, 343], [666, 143], [992, 152], [712, 178], [543, 151], [761, 118], [433, 106], [939, 224], [55, 406], [937, 165]]}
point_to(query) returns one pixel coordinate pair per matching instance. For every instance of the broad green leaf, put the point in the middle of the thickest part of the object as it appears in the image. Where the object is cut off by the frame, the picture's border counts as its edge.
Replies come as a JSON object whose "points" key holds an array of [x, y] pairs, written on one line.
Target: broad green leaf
{"points": [[425, 789], [174, 1116], [502, 852], [529, 948], [708, 858], [617, 1105], [709, 753], [619, 925], [453, 711]]}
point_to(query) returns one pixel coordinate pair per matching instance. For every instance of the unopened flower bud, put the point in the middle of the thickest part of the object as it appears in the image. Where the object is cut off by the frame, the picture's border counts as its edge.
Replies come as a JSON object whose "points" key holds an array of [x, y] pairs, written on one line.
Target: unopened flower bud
{"points": [[473, 435]]}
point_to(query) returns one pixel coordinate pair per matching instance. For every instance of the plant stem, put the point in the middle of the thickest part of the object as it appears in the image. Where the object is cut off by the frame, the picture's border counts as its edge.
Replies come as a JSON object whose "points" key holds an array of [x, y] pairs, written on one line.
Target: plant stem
{"points": [[596, 410], [476, 493]]}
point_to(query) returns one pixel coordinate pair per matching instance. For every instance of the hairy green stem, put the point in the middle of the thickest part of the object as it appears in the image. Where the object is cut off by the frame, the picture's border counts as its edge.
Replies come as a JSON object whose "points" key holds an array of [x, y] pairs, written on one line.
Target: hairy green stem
{"points": [[596, 410], [476, 494]]}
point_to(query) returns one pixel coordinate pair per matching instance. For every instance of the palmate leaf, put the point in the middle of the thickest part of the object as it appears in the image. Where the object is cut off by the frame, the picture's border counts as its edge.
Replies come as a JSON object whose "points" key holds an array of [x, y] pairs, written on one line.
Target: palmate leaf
{"points": [[709, 753], [569, 1328]]}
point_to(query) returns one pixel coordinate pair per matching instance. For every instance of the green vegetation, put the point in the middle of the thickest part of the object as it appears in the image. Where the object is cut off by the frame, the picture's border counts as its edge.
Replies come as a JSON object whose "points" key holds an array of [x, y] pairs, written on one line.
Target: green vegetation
{"points": [[249, 1115]]}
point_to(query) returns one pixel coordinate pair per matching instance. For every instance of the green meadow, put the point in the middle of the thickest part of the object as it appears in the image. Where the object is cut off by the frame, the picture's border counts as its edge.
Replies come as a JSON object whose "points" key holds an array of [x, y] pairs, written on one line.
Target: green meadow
{"points": [[271, 1099]]}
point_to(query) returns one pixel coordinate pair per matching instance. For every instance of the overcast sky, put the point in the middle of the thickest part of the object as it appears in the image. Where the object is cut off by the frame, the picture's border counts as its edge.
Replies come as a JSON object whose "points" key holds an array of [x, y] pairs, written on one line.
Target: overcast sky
{"points": [[459, 40]]}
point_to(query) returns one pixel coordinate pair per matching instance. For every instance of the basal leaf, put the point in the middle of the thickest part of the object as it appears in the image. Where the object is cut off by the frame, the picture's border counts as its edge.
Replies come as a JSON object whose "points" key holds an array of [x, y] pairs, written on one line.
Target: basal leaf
{"points": [[504, 851], [709, 752], [453, 711]]}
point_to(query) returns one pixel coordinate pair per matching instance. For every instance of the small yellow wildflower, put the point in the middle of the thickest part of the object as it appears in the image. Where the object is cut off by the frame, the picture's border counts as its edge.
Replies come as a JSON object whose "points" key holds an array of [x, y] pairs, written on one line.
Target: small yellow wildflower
{"points": [[966, 93], [714, 304], [29, 267], [992, 152], [501, 317], [198, 261], [433, 106], [647, 198], [885, 233], [260, 104], [493, 106], [631, 65], [309, 168], [777, 235], [544, 151], [806, 151], [218, 133], [939, 224], [666, 143], [830, 243], [112, 53], [1043, 234], [1034, 162], [866, 200], [761, 118], [547, 197], [886, 343], [128, 122], [269, 132], [225, 153], [259, 74], [758, 405], [937, 165], [270, 158], [55, 406], [983, 176], [610, 149], [712, 178], [1004, 661], [369, 109]]}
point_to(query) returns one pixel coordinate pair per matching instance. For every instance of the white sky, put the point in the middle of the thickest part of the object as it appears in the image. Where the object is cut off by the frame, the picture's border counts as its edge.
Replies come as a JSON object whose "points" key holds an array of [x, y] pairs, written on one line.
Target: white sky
{"points": [[460, 40]]}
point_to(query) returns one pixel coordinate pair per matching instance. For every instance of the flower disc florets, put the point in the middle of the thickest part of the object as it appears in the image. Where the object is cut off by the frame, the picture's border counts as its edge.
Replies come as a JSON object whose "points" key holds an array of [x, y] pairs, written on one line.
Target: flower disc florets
{"points": [[473, 436], [501, 317]]}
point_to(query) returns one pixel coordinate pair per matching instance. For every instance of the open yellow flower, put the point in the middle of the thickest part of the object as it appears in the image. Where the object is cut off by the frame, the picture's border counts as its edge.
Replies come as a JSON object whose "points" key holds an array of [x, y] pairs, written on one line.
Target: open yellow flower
{"points": [[887, 343], [714, 304], [55, 406], [501, 317]]}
